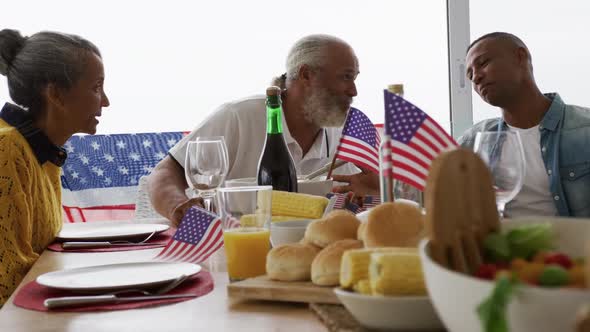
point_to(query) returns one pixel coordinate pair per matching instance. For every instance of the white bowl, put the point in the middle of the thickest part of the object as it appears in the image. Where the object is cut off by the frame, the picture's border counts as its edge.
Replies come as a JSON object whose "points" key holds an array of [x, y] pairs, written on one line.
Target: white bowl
{"points": [[406, 313], [283, 232], [456, 296], [312, 187]]}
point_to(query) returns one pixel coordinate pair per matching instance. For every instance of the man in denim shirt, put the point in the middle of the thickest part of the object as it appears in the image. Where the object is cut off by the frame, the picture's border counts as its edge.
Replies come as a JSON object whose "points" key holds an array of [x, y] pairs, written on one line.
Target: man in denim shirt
{"points": [[556, 136]]}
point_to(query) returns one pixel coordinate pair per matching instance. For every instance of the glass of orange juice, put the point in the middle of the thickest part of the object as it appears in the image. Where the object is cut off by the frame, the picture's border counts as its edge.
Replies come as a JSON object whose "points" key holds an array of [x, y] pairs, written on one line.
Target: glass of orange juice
{"points": [[245, 215]]}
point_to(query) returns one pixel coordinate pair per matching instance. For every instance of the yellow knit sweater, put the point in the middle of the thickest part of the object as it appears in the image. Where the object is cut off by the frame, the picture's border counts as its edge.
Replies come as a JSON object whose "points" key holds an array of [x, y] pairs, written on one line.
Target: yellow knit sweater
{"points": [[30, 208]]}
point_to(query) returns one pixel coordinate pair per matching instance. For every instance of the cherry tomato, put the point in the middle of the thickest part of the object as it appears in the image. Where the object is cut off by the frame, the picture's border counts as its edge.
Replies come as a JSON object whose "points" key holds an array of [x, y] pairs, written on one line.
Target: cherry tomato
{"points": [[559, 259], [486, 271]]}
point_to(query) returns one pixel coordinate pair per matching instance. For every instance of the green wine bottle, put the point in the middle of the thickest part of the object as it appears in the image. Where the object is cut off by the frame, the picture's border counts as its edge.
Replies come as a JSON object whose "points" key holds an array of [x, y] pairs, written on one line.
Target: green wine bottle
{"points": [[276, 167]]}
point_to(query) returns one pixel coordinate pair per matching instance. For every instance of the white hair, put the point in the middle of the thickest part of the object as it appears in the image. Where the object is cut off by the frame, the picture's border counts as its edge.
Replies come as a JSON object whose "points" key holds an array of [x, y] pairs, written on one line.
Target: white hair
{"points": [[309, 50]]}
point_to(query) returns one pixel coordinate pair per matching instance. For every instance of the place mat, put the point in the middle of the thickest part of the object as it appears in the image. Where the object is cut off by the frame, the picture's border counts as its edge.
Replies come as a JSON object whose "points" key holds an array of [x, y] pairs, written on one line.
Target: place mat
{"points": [[32, 295], [157, 241], [336, 318]]}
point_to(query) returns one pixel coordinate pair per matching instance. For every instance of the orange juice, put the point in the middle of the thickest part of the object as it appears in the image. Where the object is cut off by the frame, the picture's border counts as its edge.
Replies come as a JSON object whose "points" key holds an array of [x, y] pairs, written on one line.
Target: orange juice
{"points": [[246, 249]]}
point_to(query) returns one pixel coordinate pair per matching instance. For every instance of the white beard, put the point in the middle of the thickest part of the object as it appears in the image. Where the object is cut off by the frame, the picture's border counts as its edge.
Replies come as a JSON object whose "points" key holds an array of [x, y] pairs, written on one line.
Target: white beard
{"points": [[323, 110]]}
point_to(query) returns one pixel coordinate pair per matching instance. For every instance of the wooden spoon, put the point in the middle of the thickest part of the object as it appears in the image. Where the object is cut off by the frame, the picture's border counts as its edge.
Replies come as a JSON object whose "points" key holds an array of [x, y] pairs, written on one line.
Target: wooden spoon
{"points": [[460, 209]]}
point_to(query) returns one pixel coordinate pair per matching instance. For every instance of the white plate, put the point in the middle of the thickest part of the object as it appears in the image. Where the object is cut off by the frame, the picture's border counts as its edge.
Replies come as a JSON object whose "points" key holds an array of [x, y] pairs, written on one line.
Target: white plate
{"points": [[97, 231], [406, 313], [117, 276]]}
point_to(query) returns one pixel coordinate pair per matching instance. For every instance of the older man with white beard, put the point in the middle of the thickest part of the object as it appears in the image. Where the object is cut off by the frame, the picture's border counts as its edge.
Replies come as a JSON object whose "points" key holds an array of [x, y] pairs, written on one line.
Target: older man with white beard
{"points": [[318, 90]]}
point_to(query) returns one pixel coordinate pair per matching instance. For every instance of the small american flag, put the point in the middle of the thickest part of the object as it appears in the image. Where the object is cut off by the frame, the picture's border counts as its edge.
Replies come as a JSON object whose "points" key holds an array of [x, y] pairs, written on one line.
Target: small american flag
{"points": [[343, 202], [359, 143], [416, 140], [198, 236]]}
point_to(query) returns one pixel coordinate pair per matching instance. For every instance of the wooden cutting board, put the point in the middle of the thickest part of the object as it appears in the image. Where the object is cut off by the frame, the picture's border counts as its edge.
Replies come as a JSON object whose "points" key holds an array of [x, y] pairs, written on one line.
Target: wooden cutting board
{"points": [[262, 288]]}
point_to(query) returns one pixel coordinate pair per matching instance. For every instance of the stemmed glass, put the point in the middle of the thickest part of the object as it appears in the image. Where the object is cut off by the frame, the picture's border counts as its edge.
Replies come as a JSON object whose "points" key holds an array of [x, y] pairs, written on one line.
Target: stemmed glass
{"points": [[503, 153], [206, 166]]}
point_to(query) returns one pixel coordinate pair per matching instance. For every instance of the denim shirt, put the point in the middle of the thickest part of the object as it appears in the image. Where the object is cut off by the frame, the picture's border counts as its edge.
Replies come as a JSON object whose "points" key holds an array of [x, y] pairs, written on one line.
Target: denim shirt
{"points": [[565, 147]]}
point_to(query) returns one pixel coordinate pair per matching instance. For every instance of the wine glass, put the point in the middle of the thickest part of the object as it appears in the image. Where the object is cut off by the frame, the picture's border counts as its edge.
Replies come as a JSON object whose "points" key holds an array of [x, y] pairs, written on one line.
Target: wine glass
{"points": [[206, 166], [503, 153]]}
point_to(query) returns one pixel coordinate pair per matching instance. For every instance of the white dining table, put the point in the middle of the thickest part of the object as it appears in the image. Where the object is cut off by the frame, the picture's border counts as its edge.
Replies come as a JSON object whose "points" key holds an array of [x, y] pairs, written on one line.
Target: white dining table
{"points": [[212, 312]]}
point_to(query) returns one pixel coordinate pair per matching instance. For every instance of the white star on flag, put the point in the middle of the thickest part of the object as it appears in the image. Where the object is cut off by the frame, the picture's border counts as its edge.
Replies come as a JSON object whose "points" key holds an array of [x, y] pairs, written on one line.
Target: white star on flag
{"points": [[69, 148], [134, 156]]}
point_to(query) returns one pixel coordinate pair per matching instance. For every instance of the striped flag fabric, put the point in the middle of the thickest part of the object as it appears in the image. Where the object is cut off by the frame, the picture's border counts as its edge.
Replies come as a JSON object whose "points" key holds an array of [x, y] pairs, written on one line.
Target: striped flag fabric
{"points": [[415, 140], [360, 141], [198, 236]]}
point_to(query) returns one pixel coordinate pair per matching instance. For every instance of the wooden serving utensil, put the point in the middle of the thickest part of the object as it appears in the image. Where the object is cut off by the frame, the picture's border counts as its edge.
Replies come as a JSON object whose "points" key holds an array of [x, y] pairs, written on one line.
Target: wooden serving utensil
{"points": [[460, 209], [583, 314]]}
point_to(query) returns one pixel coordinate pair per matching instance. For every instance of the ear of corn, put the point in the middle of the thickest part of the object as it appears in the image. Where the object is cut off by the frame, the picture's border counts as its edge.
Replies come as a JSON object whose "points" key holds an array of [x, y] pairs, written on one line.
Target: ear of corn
{"points": [[252, 220], [298, 205], [285, 218], [362, 287], [398, 273], [355, 264]]}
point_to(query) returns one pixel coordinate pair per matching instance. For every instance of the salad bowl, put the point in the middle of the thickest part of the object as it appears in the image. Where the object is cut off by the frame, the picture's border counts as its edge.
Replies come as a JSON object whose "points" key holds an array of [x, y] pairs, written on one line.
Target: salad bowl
{"points": [[456, 296]]}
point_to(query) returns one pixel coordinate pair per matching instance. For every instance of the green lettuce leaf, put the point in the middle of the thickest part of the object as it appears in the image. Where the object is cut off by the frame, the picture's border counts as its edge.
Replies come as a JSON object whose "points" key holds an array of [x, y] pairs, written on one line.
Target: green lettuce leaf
{"points": [[497, 248], [492, 311], [526, 240]]}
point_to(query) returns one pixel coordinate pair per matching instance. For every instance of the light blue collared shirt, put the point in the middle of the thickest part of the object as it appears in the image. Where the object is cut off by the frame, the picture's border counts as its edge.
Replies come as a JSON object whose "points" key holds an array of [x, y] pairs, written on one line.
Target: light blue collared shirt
{"points": [[565, 147]]}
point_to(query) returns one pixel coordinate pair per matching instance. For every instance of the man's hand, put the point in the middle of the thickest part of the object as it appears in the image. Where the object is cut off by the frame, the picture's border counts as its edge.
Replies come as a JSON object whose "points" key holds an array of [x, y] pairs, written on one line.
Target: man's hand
{"points": [[180, 210], [362, 184]]}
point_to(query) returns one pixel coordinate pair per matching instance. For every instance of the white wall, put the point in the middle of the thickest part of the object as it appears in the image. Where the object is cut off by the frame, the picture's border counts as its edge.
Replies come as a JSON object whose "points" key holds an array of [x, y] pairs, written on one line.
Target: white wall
{"points": [[170, 63], [556, 33]]}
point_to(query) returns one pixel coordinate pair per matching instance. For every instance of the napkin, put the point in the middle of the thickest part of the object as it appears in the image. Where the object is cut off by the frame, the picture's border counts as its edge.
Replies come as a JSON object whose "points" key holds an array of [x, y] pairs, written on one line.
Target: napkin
{"points": [[32, 295]]}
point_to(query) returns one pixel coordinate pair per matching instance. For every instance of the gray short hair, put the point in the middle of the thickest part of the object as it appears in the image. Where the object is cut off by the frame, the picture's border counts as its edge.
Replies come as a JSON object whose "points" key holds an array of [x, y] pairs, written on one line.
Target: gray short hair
{"points": [[309, 51], [30, 63]]}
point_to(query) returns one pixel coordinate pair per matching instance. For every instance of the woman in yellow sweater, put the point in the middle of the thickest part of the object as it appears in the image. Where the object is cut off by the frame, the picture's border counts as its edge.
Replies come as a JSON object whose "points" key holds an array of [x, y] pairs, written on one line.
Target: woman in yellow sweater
{"points": [[57, 82]]}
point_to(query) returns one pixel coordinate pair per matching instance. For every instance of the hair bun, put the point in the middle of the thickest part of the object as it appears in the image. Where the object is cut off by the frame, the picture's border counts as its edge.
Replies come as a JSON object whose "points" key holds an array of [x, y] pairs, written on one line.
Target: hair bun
{"points": [[11, 42]]}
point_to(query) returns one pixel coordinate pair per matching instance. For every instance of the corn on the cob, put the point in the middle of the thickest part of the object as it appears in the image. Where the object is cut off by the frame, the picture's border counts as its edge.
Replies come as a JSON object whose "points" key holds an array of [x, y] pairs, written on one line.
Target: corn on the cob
{"points": [[252, 220], [298, 205], [362, 287], [285, 218], [398, 273], [355, 264]]}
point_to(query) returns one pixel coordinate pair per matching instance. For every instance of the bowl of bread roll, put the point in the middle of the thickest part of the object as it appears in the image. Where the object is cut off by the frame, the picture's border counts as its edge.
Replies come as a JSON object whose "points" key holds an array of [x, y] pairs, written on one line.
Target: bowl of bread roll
{"points": [[373, 265]]}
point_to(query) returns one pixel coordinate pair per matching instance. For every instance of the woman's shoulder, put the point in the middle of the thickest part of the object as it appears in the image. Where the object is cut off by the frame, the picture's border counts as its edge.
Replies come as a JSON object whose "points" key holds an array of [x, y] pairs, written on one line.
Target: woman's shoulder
{"points": [[13, 145]]}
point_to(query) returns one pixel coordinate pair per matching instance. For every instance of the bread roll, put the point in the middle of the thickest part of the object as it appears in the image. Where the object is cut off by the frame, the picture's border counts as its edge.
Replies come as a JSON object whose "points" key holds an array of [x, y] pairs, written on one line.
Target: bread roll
{"points": [[291, 262], [337, 225], [395, 224], [325, 268]]}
